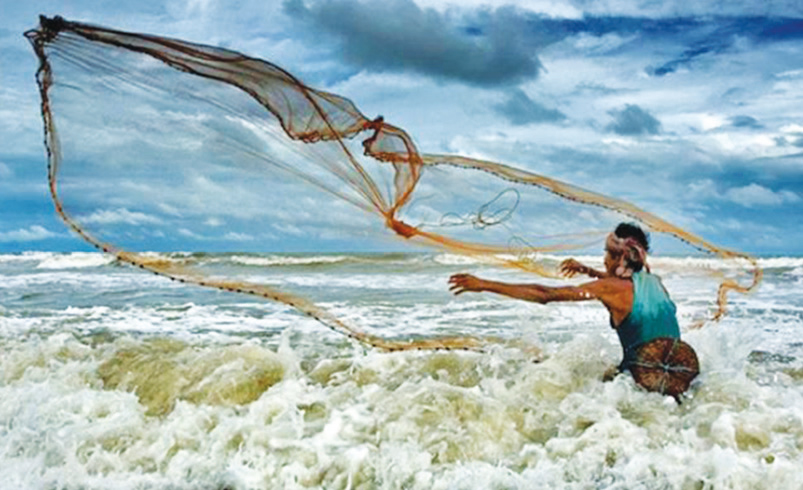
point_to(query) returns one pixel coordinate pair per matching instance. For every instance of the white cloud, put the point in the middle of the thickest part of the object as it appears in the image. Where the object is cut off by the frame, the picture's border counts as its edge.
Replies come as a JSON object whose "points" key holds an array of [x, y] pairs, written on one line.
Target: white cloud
{"points": [[31, 234], [120, 216], [593, 44], [703, 188], [5, 171], [168, 209], [757, 195], [238, 237], [586, 79], [18, 123], [749, 195], [290, 229], [711, 121], [576, 9], [189, 234], [549, 8], [679, 8]]}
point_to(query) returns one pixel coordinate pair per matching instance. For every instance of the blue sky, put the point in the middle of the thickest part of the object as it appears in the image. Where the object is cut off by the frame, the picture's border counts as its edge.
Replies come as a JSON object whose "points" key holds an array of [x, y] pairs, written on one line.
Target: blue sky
{"points": [[694, 112]]}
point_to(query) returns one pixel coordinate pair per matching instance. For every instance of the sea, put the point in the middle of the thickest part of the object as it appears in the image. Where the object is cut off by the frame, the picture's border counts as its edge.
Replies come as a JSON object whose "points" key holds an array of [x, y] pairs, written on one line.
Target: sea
{"points": [[114, 378]]}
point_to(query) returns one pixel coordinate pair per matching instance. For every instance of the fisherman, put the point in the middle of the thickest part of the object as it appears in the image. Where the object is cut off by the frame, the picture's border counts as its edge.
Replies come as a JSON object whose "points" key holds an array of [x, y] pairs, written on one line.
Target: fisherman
{"points": [[639, 305]]}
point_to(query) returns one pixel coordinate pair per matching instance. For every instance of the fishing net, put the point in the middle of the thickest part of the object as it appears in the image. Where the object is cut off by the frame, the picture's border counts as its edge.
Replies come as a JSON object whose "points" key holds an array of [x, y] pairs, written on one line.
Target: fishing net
{"points": [[160, 144]]}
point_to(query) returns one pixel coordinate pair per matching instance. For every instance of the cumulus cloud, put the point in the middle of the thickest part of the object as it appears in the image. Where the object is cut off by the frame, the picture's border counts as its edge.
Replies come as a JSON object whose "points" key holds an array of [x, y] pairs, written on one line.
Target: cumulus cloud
{"points": [[30, 234], [633, 121], [753, 195], [120, 216], [398, 35], [520, 109]]}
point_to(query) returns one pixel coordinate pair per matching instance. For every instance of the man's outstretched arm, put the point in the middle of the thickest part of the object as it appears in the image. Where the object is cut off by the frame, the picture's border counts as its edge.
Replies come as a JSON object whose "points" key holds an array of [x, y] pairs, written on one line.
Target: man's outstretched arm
{"points": [[462, 283]]}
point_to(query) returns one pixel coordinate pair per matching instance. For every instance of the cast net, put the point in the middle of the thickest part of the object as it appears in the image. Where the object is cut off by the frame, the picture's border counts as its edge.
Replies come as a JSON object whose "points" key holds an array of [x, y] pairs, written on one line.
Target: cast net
{"points": [[154, 142]]}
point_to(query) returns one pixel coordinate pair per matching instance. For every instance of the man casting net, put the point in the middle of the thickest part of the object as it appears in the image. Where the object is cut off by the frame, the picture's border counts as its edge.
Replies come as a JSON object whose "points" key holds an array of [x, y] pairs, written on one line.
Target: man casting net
{"points": [[198, 139]]}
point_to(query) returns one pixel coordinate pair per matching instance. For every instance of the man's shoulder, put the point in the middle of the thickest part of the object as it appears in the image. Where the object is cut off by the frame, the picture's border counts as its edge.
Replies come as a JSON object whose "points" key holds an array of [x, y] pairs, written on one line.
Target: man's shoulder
{"points": [[609, 285]]}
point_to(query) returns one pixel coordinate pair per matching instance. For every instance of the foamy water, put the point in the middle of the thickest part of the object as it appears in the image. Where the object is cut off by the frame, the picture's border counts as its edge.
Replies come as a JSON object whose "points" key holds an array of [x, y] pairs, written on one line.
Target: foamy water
{"points": [[113, 378]]}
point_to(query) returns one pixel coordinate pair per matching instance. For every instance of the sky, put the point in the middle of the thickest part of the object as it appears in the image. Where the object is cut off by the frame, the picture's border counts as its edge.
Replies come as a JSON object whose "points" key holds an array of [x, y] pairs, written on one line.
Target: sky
{"points": [[691, 110]]}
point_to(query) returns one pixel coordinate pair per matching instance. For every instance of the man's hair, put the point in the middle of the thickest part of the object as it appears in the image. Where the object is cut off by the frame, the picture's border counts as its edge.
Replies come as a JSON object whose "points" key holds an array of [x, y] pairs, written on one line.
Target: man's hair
{"points": [[631, 230]]}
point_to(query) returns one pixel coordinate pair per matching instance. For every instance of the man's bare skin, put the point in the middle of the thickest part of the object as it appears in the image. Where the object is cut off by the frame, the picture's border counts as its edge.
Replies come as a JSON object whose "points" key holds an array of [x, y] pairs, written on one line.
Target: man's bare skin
{"points": [[614, 292]]}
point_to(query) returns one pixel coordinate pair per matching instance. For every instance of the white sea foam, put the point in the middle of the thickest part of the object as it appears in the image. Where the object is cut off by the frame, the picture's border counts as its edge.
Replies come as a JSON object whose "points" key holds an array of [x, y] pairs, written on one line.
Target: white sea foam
{"points": [[85, 280], [718, 263], [693, 262], [189, 388], [797, 271], [405, 420], [53, 260], [452, 259], [657, 261], [26, 257], [278, 260], [367, 281], [75, 260]]}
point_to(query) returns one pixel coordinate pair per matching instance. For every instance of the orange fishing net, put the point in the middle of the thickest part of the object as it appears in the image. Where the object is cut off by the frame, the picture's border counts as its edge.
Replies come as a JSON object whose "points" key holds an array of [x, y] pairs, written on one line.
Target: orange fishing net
{"points": [[194, 137]]}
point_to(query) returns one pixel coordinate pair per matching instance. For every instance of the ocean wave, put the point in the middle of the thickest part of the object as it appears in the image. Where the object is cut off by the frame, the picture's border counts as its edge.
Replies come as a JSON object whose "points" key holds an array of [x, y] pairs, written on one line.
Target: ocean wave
{"points": [[376, 282], [695, 262], [75, 260], [280, 260], [716, 263], [781, 262], [187, 320], [452, 259], [86, 281], [26, 257], [797, 272]]}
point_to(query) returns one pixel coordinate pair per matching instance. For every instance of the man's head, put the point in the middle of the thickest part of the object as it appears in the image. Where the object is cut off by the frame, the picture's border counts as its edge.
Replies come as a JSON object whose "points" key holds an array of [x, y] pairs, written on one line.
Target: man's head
{"points": [[631, 230], [626, 250]]}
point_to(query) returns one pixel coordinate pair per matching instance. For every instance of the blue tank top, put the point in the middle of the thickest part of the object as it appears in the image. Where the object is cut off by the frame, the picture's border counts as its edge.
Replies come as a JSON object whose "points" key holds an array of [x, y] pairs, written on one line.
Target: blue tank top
{"points": [[652, 316]]}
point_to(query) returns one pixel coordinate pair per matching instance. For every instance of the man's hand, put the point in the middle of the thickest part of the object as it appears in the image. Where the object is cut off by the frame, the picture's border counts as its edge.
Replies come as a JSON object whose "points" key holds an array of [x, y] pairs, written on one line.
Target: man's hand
{"points": [[461, 283], [571, 267]]}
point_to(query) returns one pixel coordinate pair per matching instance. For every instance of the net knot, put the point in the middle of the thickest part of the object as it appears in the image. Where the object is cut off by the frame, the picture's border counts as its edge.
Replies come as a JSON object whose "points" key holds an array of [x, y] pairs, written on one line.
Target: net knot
{"points": [[402, 228], [50, 27]]}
